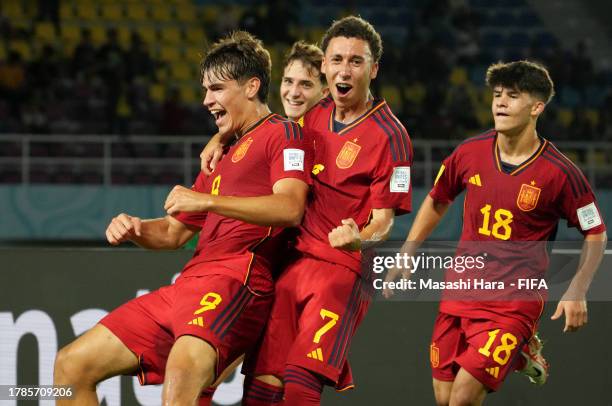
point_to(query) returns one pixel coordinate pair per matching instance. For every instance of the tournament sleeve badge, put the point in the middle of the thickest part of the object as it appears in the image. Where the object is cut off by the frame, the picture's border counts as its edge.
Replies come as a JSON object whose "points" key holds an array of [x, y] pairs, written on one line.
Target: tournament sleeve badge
{"points": [[528, 196], [347, 155], [242, 150]]}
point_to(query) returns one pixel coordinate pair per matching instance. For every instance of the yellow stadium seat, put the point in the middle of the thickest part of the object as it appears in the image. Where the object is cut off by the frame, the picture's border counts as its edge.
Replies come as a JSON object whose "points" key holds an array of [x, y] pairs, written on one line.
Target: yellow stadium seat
{"points": [[181, 71], [13, 10], [392, 96], [195, 36], [112, 12], [170, 35], [98, 34], [161, 12], [416, 92], [573, 156], [458, 76], [486, 96], [194, 55], [484, 117], [44, 31], [70, 33], [169, 54], [186, 14], [157, 92], [87, 11], [189, 95], [23, 48], [66, 11], [137, 11], [125, 36], [148, 34], [599, 158], [210, 13], [566, 117], [592, 116], [2, 52]]}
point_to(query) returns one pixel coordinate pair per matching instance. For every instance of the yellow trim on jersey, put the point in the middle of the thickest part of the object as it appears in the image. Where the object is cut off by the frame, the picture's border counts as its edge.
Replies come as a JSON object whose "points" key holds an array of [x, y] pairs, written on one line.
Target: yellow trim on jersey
{"points": [[440, 172], [524, 164], [358, 121]]}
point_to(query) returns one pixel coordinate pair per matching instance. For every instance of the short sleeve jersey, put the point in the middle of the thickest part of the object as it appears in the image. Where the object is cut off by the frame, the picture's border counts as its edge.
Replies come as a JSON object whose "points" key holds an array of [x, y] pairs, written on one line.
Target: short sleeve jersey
{"points": [[523, 205], [364, 166], [271, 150]]}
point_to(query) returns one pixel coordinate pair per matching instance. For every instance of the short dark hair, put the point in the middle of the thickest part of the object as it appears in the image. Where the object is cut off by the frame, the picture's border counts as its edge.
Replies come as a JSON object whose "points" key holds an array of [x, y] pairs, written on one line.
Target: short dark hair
{"points": [[239, 56], [526, 76], [310, 55], [355, 27]]}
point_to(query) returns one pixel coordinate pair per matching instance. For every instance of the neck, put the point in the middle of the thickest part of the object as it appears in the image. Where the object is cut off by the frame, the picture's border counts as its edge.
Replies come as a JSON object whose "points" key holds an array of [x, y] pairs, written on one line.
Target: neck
{"points": [[347, 114], [519, 144], [258, 112]]}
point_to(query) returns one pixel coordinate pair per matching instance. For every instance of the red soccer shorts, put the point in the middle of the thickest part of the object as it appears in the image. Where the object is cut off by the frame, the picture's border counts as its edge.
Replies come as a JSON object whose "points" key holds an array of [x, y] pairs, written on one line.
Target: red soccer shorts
{"points": [[317, 308], [216, 308], [485, 348]]}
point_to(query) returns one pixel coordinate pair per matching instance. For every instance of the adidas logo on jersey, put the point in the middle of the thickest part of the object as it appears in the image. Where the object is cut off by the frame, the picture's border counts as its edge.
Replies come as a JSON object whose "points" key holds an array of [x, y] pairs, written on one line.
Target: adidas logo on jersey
{"points": [[494, 371], [316, 354], [475, 180], [197, 322]]}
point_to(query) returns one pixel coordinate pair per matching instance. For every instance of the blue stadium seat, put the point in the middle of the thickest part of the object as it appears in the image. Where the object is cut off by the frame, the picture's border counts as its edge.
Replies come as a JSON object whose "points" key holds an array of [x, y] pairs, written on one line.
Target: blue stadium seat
{"points": [[528, 18], [518, 39], [493, 39]]}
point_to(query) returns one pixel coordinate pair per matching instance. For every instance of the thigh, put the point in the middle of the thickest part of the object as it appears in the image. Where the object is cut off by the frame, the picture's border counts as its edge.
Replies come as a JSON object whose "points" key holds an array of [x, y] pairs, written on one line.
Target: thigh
{"points": [[491, 351], [447, 343], [333, 302]]}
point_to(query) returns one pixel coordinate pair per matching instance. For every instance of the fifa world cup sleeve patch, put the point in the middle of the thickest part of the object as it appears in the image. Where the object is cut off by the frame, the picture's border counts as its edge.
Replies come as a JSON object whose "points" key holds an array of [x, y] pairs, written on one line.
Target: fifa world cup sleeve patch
{"points": [[293, 159], [400, 180], [588, 216]]}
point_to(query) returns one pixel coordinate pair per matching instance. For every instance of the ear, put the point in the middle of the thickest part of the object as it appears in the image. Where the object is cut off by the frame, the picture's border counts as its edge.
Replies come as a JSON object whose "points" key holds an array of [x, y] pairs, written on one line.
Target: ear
{"points": [[537, 108], [324, 65], [325, 91], [252, 87], [374, 71]]}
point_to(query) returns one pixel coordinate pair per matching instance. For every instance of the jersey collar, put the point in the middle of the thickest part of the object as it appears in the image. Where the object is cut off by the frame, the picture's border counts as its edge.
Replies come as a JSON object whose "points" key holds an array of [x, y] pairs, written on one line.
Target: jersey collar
{"points": [[521, 167], [376, 105]]}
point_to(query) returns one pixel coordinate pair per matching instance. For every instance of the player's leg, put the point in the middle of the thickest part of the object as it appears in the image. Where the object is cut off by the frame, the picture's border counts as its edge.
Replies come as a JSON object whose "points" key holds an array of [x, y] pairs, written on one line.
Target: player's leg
{"points": [[447, 343], [467, 390], [190, 368], [96, 355], [442, 391]]}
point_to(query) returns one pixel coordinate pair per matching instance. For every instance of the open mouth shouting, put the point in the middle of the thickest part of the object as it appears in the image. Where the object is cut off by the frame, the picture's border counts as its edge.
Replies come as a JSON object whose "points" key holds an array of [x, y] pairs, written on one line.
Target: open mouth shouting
{"points": [[343, 88], [218, 115]]}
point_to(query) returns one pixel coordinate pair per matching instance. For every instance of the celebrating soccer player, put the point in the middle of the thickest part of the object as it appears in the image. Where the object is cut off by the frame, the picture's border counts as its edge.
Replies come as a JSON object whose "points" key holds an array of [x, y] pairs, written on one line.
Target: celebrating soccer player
{"points": [[185, 334], [518, 186]]}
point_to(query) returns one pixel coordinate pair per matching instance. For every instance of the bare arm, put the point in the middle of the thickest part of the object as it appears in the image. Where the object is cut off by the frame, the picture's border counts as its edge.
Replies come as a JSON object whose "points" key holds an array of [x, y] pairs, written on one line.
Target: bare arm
{"points": [[284, 207], [427, 219], [573, 303], [211, 154], [164, 233], [348, 237]]}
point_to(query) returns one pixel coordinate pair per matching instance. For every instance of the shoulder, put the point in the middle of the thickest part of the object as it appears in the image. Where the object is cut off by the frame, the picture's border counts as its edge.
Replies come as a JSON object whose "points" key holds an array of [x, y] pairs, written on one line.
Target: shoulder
{"points": [[562, 167], [280, 127], [478, 142], [390, 131], [323, 105]]}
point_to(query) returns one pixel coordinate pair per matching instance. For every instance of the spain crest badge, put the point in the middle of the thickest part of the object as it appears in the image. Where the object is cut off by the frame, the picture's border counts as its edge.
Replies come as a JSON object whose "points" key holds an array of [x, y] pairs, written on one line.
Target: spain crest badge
{"points": [[528, 196], [434, 355], [242, 150], [347, 155]]}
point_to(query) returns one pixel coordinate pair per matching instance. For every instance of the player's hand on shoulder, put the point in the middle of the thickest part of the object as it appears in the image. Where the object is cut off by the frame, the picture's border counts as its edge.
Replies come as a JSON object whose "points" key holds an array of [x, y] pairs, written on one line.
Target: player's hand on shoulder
{"points": [[123, 228], [345, 236], [182, 199], [576, 314], [210, 156]]}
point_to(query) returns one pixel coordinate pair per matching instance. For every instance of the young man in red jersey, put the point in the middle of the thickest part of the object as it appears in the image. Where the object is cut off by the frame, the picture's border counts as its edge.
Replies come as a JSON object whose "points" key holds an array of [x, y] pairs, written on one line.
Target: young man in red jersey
{"points": [[361, 180], [518, 186], [186, 334]]}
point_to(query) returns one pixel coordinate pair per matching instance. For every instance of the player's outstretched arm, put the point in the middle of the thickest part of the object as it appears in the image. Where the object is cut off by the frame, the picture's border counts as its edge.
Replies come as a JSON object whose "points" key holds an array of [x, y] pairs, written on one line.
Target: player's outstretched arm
{"points": [[427, 219], [211, 154], [284, 207], [573, 303], [348, 237], [164, 233]]}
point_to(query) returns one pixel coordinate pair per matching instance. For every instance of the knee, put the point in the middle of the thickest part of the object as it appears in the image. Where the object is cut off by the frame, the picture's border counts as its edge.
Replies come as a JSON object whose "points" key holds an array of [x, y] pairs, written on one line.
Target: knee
{"points": [[462, 396], [71, 367], [442, 395]]}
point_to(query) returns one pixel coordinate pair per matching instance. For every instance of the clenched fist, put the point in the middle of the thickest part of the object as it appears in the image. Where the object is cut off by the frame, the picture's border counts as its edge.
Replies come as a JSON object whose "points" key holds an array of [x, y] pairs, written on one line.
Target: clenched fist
{"points": [[123, 228], [346, 236], [182, 199]]}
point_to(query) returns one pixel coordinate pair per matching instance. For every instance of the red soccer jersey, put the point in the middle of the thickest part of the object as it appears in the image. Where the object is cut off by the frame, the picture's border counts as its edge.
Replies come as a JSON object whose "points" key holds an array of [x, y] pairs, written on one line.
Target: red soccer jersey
{"points": [[509, 209], [364, 166], [273, 149]]}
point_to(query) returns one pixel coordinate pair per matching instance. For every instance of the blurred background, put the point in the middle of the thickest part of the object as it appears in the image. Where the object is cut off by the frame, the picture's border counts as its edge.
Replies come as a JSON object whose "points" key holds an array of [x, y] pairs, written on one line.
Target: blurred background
{"points": [[103, 93], [100, 113]]}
